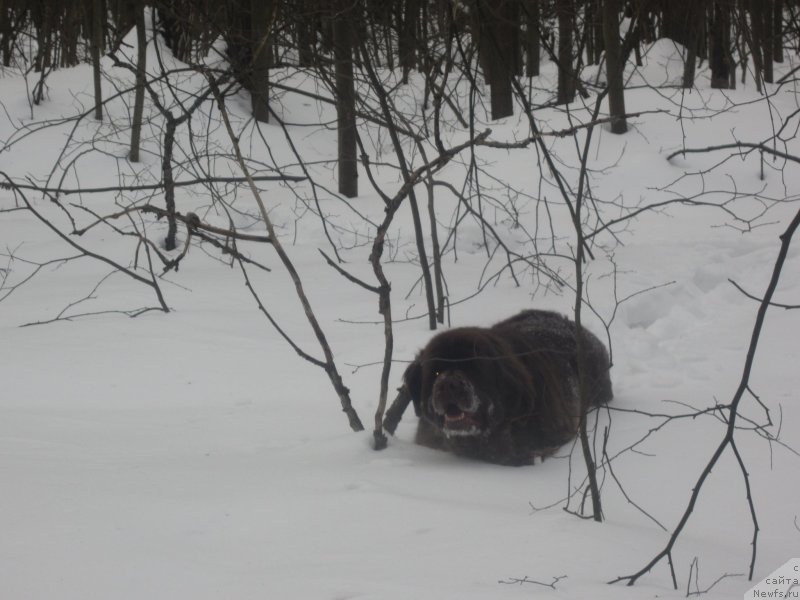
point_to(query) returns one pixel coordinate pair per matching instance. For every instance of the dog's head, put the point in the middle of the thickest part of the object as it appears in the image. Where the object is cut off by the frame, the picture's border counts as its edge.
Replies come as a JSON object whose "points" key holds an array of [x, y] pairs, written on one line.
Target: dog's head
{"points": [[460, 382]]}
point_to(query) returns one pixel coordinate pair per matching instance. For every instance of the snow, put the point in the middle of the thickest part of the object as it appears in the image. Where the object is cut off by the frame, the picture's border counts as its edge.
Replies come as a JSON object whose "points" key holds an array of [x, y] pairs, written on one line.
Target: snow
{"points": [[194, 455]]}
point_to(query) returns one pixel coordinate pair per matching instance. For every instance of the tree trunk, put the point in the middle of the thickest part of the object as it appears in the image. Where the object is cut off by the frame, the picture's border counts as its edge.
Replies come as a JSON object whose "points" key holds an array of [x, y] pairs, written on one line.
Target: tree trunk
{"points": [[499, 21], [592, 57], [170, 243], [9, 30], [720, 34], [261, 14], [694, 15], [755, 39], [305, 28], [565, 12], [640, 27], [436, 251], [689, 66], [777, 31], [767, 44], [141, 75], [98, 21], [407, 42], [532, 38], [614, 66], [675, 21], [599, 36], [345, 100]]}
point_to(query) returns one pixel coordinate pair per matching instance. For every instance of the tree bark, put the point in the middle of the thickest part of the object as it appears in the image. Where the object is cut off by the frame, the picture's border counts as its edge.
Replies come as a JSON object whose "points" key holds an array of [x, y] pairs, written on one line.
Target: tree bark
{"points": [[345, 100], [590, 40], [599, 35], [305, 28], [262, 15], [693, 14], [757, 40], [767, 44], [499, 21], [614, 66], [98, 21], [777, 31], [675, 22], [407, 41], [594, 30], [565, 12], [141, 74], [532, 38], [170, 243], [720, 33]]}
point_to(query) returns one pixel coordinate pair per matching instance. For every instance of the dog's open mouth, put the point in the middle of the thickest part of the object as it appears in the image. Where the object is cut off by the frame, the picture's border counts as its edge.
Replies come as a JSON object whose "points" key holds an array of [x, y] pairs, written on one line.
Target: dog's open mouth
{"points": [[460, 422]]}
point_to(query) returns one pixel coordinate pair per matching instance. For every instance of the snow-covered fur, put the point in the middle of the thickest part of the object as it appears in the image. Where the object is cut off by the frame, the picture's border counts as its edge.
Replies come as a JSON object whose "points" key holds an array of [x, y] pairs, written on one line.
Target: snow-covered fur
{"points": [[507, 393]]}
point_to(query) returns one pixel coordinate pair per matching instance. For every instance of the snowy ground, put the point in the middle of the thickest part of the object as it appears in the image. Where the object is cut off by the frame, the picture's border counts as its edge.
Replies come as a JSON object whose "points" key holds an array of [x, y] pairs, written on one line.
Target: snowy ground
{"points": [[194, 455]]}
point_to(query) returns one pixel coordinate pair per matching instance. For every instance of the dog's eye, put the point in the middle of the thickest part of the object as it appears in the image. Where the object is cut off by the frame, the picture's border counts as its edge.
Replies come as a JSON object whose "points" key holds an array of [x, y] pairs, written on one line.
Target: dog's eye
{"points": [[436, 374]]}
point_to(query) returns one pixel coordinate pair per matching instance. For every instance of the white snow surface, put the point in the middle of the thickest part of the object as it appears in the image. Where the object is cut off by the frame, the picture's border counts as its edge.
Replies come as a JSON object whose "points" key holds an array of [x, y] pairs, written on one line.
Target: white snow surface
{"points": [[194, 455]]}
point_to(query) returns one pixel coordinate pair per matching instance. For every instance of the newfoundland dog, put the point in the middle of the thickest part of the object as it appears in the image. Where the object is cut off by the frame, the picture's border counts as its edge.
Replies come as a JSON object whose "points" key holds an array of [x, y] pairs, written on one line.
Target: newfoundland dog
{"points": [[503, 394]]}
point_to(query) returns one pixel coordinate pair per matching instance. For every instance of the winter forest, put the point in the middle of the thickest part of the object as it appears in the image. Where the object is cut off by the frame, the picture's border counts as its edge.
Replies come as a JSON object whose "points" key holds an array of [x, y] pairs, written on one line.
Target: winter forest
{"points": [[228, 229]]}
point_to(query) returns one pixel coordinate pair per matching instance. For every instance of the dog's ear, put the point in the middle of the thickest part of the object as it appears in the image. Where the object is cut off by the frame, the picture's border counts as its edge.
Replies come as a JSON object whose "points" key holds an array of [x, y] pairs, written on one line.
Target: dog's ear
{"points": [[412, 380]]}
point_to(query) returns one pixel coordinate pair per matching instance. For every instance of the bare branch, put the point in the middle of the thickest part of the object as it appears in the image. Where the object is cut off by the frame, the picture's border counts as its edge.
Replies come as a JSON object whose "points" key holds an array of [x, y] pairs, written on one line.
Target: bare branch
{"points": [[775, 304], [59, 191], [329, 365]]}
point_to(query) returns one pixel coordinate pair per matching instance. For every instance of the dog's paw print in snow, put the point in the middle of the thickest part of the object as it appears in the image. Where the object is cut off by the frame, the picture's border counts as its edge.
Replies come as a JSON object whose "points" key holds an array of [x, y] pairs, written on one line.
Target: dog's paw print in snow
{"points": [[661, 324], [708, 277], [672, 306]]}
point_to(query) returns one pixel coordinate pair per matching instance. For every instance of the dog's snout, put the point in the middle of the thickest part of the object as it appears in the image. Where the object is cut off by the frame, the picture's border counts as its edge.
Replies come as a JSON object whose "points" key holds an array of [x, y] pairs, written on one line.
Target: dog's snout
{"points": [[452, 395]]}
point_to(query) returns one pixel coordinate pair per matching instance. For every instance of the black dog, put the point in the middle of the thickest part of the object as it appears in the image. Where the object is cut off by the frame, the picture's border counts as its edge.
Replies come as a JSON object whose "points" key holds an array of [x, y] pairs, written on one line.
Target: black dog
{"points": [[503, 394]]}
